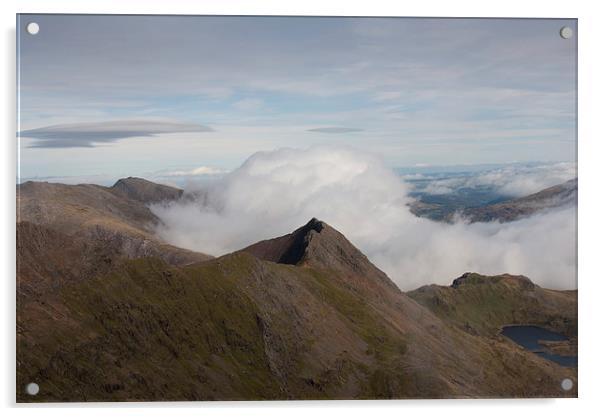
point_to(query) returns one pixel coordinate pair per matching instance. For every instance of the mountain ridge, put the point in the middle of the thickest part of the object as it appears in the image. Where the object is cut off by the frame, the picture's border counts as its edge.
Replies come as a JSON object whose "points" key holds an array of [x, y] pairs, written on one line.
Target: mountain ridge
{"points": [[514, 209], [302, 316], [98, 213]]}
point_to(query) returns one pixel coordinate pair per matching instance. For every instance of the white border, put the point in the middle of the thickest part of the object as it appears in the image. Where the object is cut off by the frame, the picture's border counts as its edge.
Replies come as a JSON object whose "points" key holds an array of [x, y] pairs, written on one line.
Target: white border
{"points": [[590, 164]]}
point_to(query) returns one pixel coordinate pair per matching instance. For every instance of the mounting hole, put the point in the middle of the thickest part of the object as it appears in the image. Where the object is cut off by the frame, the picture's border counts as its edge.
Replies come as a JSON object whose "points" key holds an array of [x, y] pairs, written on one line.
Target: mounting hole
{"points": [[32, 389], [566, 32], [33, 28], [566, 384]]}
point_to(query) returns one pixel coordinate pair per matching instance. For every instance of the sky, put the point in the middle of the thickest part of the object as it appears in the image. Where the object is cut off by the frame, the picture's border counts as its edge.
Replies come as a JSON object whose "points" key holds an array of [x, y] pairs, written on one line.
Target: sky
{"points": [[110, 96]]}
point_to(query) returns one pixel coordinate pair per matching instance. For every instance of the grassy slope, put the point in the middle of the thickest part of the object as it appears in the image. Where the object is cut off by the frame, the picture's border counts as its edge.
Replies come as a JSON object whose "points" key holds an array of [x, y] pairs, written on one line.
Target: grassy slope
{"points": [[186, 334], [239, 328]]}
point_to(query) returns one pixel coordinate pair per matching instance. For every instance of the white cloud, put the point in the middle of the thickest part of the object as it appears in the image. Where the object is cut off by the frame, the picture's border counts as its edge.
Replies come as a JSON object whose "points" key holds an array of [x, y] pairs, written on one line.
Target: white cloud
{"points": [[200, 171], [513, 180], [443, 186], [524, 180], [274, 192], [94, 133]]}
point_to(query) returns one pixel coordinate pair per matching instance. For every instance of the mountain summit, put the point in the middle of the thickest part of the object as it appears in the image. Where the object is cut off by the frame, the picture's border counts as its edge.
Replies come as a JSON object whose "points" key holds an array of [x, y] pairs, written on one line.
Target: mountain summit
{"points": [[290, 248], [318, 245], [145, 191]]}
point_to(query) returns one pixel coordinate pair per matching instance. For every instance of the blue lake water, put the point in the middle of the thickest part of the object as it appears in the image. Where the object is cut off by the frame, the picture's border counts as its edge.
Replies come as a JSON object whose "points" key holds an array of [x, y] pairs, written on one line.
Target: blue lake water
{"points": [[528, 337]]}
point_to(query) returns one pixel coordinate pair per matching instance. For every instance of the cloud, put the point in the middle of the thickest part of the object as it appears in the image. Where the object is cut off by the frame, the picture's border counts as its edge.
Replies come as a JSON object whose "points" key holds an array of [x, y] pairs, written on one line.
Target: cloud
{"points": [[200, 171], [511, 98], [523, 180], [335, 130], [190, 173], [274, 192], [513, 181], [91, 134]]}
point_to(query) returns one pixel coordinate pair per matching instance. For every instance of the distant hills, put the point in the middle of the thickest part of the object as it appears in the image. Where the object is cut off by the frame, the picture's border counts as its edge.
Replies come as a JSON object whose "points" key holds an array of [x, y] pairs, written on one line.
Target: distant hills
{"points": [[549, 198], [509, 210], [108, 312]]}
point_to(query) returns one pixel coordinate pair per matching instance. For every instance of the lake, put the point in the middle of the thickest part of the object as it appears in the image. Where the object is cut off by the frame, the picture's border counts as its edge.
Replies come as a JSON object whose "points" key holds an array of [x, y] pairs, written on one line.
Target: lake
{"points": [[528, 336]]}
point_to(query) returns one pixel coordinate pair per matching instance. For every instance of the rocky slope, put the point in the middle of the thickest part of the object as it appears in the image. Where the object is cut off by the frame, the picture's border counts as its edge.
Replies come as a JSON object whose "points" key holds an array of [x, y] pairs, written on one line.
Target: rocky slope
{"points": [[109, 217], [320, 246]]}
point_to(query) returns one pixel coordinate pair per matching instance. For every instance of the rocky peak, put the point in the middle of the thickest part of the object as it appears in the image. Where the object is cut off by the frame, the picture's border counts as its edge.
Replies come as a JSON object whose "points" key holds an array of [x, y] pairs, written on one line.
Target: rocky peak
{"points": [[470, 278], [290, 248], [317, 244]]}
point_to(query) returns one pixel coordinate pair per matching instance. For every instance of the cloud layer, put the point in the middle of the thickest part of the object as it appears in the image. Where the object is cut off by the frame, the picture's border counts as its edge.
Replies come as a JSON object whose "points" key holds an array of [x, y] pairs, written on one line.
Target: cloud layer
{"points": [[200, 171], [274, 192], [512, 181], [91, 134]]}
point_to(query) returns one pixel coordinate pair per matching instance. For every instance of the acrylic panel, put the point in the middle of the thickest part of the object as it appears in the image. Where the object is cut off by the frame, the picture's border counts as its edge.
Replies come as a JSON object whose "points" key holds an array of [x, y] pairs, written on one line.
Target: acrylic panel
{"points": [[295, 208]]}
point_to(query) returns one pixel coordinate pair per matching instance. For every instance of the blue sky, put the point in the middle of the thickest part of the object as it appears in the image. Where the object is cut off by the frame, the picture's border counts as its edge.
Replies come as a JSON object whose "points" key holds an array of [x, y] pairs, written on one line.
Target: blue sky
{"points": [[139, 94]]}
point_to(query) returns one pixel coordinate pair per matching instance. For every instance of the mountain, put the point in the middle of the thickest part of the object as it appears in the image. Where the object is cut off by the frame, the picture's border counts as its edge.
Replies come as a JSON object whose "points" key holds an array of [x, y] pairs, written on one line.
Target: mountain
{"points": [[302, 316], [483, 304], [447, 209], [145, 191], [549, 198], [102, 216], [320, 246]]}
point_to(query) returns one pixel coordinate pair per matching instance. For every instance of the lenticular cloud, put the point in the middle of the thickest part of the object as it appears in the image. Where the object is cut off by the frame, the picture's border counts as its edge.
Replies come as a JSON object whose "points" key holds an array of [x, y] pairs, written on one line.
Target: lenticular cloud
{"points": [[275, 192]]}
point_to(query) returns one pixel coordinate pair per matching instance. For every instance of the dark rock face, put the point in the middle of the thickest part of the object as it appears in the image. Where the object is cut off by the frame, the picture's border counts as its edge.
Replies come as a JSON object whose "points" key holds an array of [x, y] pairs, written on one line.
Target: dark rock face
{"points": [[460, 280], [145, 191], [288, 249], [296, 251]]}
